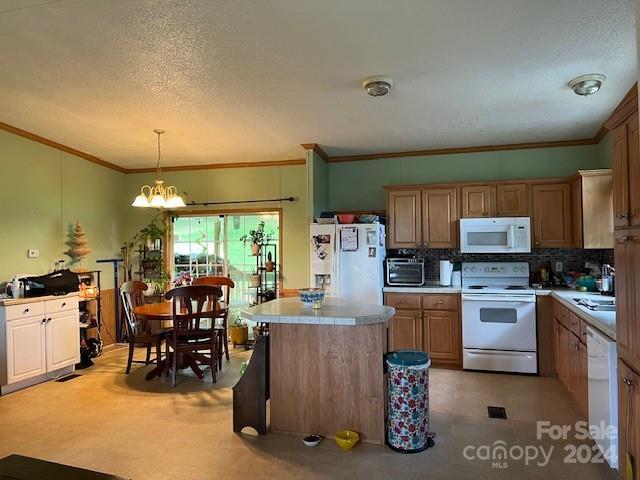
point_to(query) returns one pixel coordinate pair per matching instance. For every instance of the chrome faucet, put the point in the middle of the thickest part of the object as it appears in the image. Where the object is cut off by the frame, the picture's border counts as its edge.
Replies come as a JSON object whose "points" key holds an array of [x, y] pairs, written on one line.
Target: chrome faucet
{"points": [[608, 279]]}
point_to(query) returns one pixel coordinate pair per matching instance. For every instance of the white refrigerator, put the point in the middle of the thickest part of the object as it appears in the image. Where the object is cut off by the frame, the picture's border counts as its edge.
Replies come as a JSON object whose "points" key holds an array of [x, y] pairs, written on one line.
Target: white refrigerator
{"points": [[347, 260]]}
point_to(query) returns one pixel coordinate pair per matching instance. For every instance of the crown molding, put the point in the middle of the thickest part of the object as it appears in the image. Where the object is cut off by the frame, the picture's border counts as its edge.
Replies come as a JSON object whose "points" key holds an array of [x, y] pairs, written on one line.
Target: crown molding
{"points": [[213, 166], [317, 149], [59, 146]]}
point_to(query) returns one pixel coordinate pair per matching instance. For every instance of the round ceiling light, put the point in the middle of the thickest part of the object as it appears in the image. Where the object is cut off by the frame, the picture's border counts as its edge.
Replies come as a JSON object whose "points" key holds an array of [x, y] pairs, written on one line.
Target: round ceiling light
{"points": [[586, 85], [377, 86]]}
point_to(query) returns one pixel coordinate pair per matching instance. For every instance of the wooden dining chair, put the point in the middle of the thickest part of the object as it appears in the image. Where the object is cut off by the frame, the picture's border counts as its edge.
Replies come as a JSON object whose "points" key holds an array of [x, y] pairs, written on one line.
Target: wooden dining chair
{"points": [[140, 331], [226, 284], [194, 332]]}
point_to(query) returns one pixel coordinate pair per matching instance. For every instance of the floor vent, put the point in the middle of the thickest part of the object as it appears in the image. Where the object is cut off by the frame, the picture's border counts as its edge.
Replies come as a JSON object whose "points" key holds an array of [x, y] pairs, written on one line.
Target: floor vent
{"points": [[497, 412], [71, 377]]}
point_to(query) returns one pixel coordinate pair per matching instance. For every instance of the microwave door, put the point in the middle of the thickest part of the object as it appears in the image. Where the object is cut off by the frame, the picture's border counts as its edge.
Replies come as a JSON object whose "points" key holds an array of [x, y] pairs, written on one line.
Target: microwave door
{"points": [[487, 239]]}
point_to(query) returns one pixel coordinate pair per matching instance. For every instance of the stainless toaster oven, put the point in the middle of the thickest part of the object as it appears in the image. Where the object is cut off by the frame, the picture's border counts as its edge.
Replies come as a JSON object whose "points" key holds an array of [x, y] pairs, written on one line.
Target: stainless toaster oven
{"points": [[405, 272]]}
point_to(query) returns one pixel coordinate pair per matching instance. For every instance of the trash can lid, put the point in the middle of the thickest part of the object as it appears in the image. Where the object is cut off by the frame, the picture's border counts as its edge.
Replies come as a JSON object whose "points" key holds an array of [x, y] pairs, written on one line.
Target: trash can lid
{"points": [[408, 358]]}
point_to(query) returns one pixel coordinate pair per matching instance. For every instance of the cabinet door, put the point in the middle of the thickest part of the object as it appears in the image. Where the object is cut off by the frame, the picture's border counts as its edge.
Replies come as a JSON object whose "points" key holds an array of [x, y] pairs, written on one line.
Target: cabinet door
{"points": [[564, 355], [405, 218], [439, 218], [628, 421], [576, 213], [621, 175], [574, 365], [627, 262], [25, 348], [442, 335], [405, 330], [551, 215], [63, 340], [512, 200], [634, 170], [476, 201]]}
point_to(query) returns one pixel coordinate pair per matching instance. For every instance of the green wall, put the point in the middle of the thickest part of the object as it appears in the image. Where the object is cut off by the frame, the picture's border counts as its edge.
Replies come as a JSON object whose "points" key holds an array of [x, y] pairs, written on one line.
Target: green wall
{"points": [[358, 185], [233, 184], [43, 191]]}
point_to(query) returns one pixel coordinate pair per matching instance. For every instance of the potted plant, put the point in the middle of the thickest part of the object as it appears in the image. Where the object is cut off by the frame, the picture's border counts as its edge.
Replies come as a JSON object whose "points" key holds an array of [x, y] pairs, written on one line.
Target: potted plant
{"points": [[255, 279], [153, 233], [239, 333], [257, 237]]}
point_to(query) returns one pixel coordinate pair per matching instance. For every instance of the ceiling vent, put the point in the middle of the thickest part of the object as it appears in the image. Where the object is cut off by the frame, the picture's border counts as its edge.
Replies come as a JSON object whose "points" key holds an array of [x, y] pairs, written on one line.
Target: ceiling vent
{"points": [[377, 86], [586, 85]]}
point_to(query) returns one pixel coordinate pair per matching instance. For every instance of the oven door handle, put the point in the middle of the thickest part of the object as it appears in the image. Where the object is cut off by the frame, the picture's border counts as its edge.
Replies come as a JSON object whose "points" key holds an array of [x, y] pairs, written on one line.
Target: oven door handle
{"points": [[498, 298]]}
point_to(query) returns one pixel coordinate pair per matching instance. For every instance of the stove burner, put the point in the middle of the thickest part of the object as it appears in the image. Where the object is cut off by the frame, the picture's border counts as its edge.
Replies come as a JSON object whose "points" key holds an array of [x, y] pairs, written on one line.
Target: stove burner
{"points": [[515, 287], [476, 287]]}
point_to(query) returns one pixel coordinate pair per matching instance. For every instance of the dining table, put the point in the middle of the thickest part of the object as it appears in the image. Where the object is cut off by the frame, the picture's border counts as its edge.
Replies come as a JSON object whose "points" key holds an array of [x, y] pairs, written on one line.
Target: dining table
{"points": [[163, 314]]}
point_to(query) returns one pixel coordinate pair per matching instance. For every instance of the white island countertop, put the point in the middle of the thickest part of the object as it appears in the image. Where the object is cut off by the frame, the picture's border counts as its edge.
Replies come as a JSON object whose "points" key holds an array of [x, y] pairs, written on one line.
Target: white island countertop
{"points": [[334, 311]]}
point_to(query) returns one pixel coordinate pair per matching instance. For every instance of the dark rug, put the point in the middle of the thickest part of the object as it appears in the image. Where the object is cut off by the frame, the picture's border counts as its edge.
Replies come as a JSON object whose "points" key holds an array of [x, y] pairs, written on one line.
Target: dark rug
{"points": [[17, 467]]}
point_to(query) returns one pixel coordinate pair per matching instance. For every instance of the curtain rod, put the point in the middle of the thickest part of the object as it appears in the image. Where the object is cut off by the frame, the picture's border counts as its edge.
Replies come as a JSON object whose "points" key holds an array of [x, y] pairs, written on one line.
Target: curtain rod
{"points": [[206, 204]]}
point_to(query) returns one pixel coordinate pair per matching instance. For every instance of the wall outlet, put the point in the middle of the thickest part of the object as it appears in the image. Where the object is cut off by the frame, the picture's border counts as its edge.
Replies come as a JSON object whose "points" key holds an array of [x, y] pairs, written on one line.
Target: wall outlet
{"points": [[33, 253], [559, 267]]}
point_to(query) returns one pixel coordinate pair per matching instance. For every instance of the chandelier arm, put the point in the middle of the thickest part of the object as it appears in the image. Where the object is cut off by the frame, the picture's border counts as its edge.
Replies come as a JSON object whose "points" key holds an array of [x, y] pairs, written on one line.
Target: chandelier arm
{"points": [[148, 188]]}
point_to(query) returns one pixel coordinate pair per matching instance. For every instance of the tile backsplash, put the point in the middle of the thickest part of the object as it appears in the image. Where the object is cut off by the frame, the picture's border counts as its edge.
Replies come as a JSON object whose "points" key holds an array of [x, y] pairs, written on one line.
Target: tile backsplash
{"points": [[571, 258]]}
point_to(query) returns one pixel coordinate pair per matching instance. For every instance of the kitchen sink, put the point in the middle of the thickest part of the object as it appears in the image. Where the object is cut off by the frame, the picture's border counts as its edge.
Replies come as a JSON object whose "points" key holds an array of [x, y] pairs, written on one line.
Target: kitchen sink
{"points": [[608, 305]]}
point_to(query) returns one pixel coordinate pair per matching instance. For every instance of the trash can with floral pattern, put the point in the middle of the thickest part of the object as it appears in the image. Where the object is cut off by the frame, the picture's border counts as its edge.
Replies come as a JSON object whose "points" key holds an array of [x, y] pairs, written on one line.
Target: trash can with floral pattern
{"points": [[408, 403]]}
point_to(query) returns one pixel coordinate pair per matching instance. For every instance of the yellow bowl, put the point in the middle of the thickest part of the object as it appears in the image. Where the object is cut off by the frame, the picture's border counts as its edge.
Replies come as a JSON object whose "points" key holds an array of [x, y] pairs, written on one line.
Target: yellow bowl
{"points": [[346, 439]]}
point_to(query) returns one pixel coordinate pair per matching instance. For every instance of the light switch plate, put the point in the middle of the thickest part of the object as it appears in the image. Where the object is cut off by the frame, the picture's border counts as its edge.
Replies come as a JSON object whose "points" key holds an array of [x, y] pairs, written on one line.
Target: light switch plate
{"points": [[559, 267], [33, 253]]}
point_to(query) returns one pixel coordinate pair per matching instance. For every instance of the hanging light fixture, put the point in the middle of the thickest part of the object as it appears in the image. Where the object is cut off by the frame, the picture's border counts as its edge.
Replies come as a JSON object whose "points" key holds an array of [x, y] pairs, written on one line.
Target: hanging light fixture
{"points": [[158, 196]]}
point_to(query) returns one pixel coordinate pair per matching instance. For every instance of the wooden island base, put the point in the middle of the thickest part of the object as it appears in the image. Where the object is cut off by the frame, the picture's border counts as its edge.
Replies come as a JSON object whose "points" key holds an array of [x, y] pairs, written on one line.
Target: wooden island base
{"points": [[326, 378]]}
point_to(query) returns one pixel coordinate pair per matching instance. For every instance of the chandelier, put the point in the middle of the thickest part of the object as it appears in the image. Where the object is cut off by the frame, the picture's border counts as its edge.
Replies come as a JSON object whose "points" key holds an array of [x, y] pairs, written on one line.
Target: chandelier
{"points": [[158, 196]]}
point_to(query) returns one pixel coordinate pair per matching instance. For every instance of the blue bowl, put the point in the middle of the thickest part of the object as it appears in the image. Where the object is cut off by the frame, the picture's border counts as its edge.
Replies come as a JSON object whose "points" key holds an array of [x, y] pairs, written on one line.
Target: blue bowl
{"points": [[312, 297]]}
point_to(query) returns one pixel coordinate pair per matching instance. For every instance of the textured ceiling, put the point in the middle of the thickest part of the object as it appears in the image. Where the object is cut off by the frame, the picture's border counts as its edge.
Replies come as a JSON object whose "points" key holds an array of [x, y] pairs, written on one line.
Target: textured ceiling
{"points": [[245, 81]]}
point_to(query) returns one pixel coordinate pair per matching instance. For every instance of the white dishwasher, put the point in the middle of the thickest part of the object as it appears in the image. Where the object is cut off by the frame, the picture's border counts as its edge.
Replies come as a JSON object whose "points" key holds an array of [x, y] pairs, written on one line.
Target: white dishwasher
{"points": [[603, 392]]}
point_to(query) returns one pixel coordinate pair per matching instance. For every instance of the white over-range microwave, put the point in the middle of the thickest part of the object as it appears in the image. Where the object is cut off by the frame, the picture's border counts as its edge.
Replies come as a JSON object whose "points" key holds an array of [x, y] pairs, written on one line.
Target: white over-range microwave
{"points": [[495, 235]]}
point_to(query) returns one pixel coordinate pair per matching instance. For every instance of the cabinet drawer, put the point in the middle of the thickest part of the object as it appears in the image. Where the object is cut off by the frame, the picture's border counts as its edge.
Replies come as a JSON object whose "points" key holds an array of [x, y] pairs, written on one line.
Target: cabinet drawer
{"points": [[24, 310], [561, 314], [61, 305], [574, 324], [402, 300], [439, 302]]}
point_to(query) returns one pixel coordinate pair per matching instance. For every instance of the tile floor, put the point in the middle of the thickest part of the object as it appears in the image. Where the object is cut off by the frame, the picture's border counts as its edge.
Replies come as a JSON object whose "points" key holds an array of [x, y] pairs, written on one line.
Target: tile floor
{"points": [[108, 421]]}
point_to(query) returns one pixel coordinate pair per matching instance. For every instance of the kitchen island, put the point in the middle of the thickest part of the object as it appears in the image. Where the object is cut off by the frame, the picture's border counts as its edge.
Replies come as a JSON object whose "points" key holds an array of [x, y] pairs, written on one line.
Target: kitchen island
{"points": [[326, 366]]}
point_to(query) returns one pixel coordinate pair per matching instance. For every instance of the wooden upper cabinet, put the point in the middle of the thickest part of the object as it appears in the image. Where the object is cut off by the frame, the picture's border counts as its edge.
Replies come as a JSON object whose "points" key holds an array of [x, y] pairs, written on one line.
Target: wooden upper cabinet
{"points": [[576, 213], [439, 218], [551, 215], [512, 200], [621, 175], [627, 262], [634, 171], [477, 201], [404, 209]]}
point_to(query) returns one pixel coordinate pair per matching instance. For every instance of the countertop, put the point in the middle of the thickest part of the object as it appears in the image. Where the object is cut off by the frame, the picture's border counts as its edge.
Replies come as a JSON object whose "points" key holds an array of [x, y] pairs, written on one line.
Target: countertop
{"points": [[6, 302], [334, 311], [603, 321]]}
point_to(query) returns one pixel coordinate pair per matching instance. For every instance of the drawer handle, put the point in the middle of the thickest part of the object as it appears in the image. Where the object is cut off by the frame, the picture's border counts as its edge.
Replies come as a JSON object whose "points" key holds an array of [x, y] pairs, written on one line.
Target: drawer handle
{"points": [[628, 382], [48, 319], [64, 304], [26, 310], [626, 238], [440, 302], [44, 320], [622, 216]]}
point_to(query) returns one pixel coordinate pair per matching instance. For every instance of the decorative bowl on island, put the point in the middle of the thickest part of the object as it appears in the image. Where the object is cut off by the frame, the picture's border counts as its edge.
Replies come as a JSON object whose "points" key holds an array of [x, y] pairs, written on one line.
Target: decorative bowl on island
{"points": [[312, 297]]}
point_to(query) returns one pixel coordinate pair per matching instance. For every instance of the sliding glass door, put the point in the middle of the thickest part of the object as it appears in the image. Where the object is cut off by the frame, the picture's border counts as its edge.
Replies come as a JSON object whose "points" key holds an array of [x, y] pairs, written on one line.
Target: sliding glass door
{"points": [[210, 245]]}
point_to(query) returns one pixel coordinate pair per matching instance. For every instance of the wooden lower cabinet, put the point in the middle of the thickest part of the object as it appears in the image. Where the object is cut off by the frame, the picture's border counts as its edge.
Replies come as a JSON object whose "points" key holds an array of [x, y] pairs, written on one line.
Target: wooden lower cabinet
{"points": [[628, 422], [627, 262], [435, 329], [405, 330], [571, 365], [441, 336]]}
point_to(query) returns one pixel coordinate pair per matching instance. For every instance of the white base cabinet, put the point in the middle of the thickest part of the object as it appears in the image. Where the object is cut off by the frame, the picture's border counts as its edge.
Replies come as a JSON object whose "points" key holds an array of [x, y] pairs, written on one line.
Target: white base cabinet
{"points": [[38, 340]]}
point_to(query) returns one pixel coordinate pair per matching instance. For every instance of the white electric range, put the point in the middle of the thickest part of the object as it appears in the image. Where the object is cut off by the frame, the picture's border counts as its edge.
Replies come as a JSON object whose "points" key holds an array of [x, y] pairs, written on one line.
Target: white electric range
{"points": [[498, 317]]}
